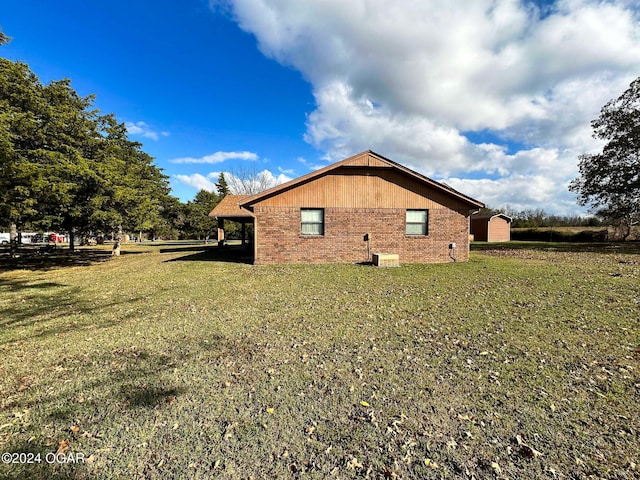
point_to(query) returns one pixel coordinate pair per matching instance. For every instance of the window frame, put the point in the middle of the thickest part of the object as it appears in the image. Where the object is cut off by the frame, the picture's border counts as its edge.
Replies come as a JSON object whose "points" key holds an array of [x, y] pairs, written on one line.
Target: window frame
{"points": [[407, 223], [320, 223]]}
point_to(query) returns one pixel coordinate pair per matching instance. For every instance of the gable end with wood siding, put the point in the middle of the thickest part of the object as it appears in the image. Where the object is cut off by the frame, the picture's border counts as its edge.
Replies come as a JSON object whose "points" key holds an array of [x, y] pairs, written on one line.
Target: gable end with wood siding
{"points": [[362, 205]]}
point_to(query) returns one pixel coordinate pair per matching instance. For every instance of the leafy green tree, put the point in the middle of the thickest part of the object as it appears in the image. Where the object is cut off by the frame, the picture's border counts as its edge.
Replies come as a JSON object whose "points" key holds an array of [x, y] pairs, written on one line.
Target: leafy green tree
{"points": [[65, 166], [4, 39], [198, 220], [71, 130], [171, 220], [610, 181], [222, 187], [132, 189], [23, 145]]}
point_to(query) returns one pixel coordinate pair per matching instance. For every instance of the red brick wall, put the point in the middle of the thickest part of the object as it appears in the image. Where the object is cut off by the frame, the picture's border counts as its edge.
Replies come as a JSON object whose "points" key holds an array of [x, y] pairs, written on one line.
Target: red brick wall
{"points": [[278, 238]]}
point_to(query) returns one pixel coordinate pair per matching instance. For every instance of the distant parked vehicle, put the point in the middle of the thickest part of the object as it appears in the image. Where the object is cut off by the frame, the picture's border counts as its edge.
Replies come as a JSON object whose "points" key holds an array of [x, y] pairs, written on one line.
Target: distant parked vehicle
{"points": [[22, 237], [55, 237], [27, 237]]}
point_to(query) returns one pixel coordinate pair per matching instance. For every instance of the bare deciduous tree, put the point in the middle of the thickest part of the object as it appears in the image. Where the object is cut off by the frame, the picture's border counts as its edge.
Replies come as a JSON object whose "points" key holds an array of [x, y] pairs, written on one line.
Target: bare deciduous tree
{"points": [[249, 181]]}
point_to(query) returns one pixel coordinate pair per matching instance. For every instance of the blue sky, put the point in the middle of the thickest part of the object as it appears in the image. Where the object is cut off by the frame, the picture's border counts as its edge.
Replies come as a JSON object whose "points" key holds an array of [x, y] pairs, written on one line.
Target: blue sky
{"points": [[493, 97]]}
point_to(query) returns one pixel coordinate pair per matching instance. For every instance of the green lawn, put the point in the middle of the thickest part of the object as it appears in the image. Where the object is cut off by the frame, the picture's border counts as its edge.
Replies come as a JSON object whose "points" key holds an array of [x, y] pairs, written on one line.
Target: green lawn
{"points": [[518, 364]]}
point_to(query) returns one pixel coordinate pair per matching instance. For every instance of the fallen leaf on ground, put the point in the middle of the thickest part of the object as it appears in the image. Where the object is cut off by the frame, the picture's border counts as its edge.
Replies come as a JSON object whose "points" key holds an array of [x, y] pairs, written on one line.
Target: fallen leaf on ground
{"points": [[229, 430], [526, 450], [63, 446]]}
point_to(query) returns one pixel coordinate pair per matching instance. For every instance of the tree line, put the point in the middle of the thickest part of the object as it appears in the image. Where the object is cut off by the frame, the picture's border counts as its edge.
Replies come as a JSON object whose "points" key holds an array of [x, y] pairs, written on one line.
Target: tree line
{"points": [[67, 167], [534, 218]]}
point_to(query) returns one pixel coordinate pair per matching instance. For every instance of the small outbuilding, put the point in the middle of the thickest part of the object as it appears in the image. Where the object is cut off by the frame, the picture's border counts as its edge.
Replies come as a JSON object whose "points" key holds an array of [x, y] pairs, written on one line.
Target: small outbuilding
{"points": [[491, 228]]}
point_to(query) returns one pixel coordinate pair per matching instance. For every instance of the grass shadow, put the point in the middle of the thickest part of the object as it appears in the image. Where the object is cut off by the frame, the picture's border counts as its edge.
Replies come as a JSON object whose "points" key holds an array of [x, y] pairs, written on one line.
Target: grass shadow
{"points": [[191, 248], [144, 396], [44, 307], [228, 254], [173, 243], [16, 285], [128, 380], [30, 258]]}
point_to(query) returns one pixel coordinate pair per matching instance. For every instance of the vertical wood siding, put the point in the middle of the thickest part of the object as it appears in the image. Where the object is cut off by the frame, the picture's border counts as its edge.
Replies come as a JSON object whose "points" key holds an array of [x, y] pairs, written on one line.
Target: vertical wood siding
{"points": [[357, 187], [499, 230]]}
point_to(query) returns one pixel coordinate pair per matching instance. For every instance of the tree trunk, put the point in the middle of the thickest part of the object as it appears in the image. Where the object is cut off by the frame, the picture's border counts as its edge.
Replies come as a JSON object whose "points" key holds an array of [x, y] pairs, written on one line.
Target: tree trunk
{"points": [[117, 240], [626, 229], [72, 244], [13, 239]]}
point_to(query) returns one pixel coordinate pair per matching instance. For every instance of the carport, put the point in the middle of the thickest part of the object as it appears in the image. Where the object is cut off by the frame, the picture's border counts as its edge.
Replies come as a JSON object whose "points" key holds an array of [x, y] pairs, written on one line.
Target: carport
{"points": [[228, 210]]}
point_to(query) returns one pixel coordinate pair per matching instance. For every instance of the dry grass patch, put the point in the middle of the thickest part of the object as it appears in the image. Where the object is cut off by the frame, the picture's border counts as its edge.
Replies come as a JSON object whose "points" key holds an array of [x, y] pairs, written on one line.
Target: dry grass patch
{"points": [[521, 365]]}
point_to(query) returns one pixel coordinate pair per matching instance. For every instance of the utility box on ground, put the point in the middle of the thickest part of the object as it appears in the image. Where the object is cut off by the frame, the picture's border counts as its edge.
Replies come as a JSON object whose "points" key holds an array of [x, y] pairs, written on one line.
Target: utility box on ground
{"points": [[386, 259]]}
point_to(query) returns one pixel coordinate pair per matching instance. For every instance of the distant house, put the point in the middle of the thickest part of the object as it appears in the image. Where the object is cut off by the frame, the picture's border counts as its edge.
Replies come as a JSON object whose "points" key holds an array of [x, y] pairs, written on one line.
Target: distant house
{"points": [[491, 228], [352, 209]]}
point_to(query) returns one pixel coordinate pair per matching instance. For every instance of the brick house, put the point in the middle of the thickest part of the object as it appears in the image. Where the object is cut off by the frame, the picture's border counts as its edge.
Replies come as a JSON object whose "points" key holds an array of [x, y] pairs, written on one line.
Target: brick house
{"points": [[352, 209], [491, 228]]}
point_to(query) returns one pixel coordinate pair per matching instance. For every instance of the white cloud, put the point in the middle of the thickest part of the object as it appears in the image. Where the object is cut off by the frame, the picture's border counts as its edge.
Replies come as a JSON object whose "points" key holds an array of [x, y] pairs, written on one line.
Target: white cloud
{"points": [[310, 166], [198, 181], [281, 178], [217, 157], [408, 78], [520, 192], [142, 129], [286, 171], [342, 127]]}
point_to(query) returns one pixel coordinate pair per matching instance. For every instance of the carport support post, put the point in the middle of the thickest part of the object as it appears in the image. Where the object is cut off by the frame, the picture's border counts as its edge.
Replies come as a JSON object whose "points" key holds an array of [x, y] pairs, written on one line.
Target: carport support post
{"points": [[244, 224], [220, 232]]}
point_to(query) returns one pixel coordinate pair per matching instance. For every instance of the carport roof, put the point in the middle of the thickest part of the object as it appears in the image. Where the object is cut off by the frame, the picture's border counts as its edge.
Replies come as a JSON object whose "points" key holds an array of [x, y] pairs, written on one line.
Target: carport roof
{"points": [[229, 209]]}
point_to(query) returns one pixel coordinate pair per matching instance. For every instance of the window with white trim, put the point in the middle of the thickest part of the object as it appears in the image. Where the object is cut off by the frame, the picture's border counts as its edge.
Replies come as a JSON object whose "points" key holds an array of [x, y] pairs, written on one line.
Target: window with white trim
{"points": [[312, 221], [417, 222]]}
